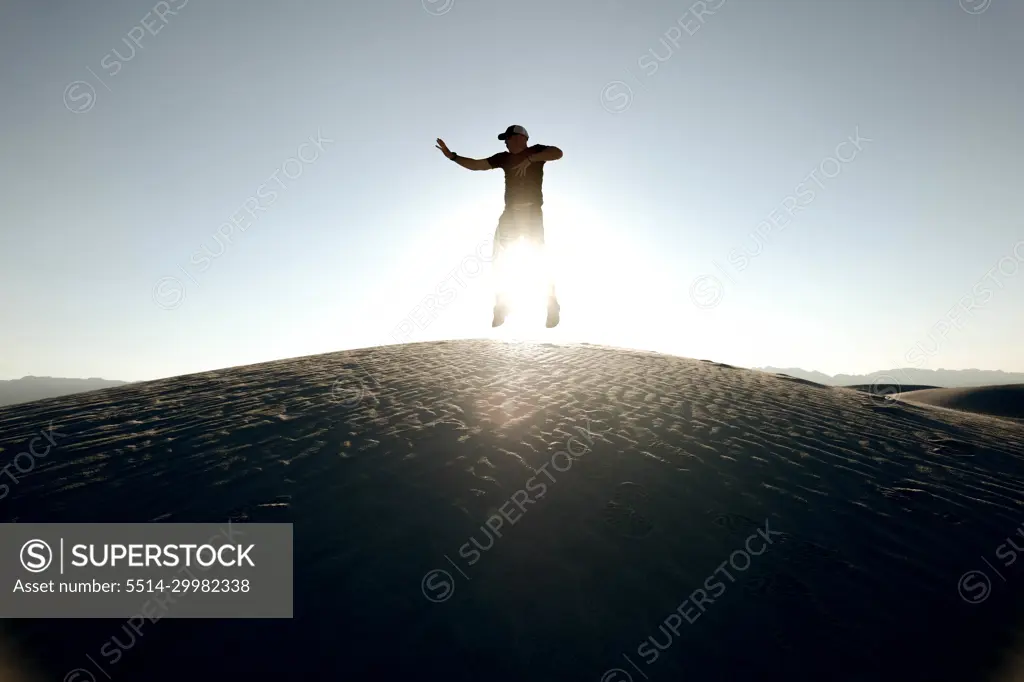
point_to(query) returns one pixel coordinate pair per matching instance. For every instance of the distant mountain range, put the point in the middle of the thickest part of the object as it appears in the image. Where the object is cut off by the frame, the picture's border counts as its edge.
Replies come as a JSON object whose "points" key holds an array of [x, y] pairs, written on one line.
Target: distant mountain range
{"points": [[27, 389], [909, 376]]}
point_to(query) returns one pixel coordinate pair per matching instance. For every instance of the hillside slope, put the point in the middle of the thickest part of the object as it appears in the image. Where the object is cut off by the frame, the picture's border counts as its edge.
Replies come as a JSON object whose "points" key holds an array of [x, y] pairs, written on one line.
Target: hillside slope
{"points": [[707, 523]]}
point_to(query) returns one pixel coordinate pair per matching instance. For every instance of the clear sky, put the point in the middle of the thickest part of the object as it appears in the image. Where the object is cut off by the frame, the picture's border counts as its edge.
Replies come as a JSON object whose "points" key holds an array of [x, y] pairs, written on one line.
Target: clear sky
{"points": [[133, 130]]}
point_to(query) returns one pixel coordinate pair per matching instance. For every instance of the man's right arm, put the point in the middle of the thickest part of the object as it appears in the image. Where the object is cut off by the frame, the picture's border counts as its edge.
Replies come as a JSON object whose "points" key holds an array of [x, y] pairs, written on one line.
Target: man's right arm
{"points": [[473, 164]]}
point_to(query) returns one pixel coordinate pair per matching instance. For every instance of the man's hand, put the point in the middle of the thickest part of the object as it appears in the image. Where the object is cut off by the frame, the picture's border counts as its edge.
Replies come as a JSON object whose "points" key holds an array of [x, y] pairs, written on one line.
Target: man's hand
{"points": [[444, 148], [522, 167]]}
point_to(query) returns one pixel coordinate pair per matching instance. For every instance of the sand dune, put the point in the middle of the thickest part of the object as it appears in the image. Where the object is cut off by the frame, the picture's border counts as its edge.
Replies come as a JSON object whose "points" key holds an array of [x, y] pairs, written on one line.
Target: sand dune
{"points": [[697, 521], [998, 401]]}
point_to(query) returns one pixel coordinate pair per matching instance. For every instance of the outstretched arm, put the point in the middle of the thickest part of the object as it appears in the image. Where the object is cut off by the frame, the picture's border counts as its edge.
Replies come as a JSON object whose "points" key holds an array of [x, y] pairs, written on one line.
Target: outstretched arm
{"points": [[472, 164], [469, 164]]}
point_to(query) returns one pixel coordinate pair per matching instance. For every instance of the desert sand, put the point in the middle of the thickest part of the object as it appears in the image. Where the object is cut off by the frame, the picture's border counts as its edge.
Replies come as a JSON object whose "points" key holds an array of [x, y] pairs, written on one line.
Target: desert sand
{"points": [[697, 521], [998, 401]]}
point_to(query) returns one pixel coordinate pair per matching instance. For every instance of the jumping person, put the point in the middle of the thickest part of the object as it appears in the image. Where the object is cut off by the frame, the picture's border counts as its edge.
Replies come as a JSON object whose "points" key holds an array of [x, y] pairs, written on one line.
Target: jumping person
{"points": [[524, 174]]}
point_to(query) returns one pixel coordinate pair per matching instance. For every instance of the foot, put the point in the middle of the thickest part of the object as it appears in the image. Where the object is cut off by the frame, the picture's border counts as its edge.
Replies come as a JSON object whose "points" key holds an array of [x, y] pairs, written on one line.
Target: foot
{"points": [[499, 316], [554, 311]]}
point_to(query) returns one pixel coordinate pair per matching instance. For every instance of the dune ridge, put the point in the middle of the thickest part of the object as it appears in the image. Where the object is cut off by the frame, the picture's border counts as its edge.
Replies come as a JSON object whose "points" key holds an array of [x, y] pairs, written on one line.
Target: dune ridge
{"points": [[998, 401]]}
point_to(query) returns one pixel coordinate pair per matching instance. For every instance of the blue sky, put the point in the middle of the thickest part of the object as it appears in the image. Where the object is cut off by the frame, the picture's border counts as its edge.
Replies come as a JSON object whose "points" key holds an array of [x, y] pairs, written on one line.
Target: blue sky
{"points": [[133, 131]]}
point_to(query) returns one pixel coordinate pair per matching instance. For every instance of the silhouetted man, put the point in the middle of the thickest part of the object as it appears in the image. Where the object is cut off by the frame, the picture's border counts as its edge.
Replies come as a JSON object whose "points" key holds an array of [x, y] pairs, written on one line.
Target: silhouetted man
{"points": [[524, 175]]}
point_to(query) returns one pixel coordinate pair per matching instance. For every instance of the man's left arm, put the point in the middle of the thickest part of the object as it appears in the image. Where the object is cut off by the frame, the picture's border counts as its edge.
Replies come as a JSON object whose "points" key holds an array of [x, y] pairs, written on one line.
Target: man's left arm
{"points": [[545, 153]]}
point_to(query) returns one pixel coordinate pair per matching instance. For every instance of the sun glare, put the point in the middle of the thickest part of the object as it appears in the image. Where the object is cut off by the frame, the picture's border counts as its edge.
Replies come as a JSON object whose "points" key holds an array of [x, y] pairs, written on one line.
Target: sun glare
{"points": [[610, 290], [523, 273]]}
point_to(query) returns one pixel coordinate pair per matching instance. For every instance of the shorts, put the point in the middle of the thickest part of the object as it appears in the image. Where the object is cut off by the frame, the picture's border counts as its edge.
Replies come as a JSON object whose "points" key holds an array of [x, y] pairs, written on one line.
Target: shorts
{"points": [[519, 221]]}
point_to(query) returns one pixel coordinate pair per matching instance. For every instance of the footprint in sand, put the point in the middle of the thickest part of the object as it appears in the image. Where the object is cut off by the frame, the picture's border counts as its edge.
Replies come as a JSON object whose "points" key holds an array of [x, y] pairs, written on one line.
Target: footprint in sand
{"points": [[630, 494], [624, 515], [736, 524], [941, 445]]}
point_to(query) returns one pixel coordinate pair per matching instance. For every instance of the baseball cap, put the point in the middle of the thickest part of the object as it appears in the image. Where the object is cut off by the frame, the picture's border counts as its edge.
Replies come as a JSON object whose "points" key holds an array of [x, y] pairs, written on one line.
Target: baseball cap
{"points": [[513, 130]]}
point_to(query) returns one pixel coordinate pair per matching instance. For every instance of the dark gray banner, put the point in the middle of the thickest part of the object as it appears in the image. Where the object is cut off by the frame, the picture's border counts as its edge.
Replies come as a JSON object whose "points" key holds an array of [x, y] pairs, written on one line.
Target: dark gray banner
{"points": [[152, 570]]}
